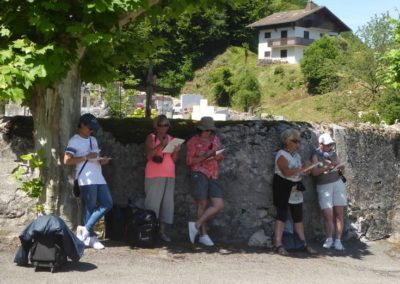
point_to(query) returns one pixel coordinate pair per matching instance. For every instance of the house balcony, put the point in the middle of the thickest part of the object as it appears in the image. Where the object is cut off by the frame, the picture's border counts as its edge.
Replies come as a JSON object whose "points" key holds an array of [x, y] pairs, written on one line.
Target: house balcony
{"points": [[289, 41]]}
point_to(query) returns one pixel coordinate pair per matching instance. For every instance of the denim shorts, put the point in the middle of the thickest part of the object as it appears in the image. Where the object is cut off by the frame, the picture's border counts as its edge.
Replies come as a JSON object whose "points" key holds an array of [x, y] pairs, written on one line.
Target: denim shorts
{"points": [[204, 187]]}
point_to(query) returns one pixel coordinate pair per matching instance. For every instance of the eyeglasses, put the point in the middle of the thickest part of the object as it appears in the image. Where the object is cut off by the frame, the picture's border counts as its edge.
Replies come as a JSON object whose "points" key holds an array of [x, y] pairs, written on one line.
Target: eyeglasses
{"points": [[163, 125], [207, 130], [295, 141]]}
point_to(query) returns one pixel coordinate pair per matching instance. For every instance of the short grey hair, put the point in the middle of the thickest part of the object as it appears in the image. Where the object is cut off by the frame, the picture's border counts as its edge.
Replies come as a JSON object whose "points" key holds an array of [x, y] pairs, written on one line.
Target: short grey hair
{"points": [[290, 134]]}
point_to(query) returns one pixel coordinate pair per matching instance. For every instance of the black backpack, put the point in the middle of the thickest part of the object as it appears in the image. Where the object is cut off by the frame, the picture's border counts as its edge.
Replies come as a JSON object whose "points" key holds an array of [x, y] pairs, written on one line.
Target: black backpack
{"points": [[291, 241], [142, 228], [47, 251]]}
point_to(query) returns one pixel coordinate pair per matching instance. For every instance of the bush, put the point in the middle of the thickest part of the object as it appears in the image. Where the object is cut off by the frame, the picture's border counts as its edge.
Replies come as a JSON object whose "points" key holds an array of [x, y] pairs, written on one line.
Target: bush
{"points": [[279, 71]]}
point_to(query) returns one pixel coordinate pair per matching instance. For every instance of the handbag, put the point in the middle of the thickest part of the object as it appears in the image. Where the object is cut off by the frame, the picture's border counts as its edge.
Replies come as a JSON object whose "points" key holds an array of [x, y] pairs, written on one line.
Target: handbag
{"points": [[76, 190]]}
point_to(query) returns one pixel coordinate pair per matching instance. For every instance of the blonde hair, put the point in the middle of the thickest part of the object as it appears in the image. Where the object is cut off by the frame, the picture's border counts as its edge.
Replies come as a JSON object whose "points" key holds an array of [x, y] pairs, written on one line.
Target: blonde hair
{"points": [[160, 119], [289, 134]]}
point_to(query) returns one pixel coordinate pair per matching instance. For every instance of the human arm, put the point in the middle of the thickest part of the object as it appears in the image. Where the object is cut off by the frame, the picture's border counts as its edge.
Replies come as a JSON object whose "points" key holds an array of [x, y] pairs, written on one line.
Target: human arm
{"points": [[175, 153], [70, 160], [283, 166], [149, 148]]}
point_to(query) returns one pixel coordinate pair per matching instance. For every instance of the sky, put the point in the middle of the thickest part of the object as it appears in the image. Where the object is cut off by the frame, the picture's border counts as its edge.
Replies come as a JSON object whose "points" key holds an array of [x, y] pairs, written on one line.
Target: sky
{"points": [[356, 13]]}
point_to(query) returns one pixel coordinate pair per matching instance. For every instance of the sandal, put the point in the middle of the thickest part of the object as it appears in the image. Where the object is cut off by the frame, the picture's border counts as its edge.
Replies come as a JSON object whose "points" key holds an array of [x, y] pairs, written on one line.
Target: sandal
{"points": [[282, 251], [310, 250]]}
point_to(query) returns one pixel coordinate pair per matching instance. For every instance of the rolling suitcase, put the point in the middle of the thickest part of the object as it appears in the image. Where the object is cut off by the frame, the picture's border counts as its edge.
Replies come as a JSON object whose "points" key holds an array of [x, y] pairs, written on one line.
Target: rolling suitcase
{"points": [[47, 252]]}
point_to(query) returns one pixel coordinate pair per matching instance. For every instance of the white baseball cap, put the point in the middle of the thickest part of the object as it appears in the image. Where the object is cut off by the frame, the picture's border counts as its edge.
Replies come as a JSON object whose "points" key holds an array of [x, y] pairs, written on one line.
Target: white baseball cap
{"points": [[325, 139]]}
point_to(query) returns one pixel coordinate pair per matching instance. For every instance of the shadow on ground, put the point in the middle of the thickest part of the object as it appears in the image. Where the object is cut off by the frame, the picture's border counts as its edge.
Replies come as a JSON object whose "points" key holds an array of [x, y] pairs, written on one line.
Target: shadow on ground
{"points": [[354, 249]]}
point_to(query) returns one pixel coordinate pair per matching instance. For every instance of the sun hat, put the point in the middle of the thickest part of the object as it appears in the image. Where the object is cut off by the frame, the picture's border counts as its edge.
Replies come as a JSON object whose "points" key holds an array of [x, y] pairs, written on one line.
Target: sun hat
{"points": [[325, 139], [90, 121], [206, 123]]}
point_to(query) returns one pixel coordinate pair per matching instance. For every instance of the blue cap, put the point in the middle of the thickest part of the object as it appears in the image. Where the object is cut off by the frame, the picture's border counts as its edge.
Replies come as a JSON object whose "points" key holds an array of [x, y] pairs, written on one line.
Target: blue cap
{"points": [[90, 121]]}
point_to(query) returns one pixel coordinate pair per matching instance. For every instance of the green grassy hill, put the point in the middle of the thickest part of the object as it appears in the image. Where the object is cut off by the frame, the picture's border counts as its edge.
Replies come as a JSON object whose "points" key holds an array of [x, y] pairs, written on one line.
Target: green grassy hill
{"points": [[283, 90]]}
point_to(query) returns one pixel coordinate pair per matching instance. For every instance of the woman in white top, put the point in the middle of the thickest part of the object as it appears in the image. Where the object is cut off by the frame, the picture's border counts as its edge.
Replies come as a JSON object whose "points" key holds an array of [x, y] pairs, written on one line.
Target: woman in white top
{"points": [[287, 189]]}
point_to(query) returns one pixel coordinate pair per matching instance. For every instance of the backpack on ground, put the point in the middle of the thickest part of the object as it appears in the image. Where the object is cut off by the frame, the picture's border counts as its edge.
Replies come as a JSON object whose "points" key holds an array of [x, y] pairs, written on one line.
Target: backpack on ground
{"points": [[117, 220], [142, 228], [291, 241], [47, 252]]}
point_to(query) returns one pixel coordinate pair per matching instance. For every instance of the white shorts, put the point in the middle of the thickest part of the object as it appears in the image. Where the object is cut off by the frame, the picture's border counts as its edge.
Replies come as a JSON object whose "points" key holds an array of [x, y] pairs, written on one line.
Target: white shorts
{"points": [[332, 194]]}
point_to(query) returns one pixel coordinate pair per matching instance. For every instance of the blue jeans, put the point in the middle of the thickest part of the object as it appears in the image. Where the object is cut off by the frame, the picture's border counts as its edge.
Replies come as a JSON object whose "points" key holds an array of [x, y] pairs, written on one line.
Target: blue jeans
{"points": [[93, 211]]}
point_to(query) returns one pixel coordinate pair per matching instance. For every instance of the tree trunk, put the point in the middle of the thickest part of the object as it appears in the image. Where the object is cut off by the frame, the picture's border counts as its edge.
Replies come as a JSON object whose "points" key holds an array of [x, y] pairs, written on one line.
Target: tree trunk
{"points": [[55, 113]]}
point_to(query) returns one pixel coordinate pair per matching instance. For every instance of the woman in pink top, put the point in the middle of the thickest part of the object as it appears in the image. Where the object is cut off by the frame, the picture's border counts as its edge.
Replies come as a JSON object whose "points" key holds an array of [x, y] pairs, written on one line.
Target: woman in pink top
{"points": [[159, 182], [202, 158]]}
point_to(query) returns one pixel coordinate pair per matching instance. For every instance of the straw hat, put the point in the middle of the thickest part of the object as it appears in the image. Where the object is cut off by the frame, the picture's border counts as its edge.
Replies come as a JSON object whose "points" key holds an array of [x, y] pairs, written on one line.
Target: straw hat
{"points": [[206, 123]]}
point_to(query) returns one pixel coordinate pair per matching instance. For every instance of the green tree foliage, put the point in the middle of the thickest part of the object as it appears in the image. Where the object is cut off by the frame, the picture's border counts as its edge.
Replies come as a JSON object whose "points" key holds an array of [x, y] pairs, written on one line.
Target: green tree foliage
{"points": [[120, 101], [388, 106], [177, 47], [319, 65], [246, 92], [392, 58], [222, 83]]}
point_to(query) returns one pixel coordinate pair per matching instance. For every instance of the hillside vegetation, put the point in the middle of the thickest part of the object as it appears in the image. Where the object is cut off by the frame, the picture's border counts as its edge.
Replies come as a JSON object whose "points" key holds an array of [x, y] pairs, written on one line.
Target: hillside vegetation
{"points": [[283, 90]]}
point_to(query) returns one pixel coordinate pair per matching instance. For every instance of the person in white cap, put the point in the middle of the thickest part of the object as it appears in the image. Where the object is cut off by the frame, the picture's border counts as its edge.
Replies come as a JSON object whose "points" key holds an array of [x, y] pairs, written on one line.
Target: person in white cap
{"points": [[203, 161], [331, 190], [83, 152]]}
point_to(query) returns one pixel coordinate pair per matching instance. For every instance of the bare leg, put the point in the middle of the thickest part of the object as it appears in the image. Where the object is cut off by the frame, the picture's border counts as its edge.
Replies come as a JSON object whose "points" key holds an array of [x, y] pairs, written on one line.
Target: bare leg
{"points": [[328, 221], [339, 213], [201, 208], [279, 226], [217, 204]]}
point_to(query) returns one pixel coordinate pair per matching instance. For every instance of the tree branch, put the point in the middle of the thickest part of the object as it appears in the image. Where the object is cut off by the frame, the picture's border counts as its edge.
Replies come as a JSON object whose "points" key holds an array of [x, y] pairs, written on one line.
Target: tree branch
{"points": [[129, 16]]}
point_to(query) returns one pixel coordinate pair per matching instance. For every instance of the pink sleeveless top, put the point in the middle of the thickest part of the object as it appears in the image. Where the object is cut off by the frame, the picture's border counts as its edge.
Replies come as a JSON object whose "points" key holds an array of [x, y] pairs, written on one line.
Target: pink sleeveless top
{"points": [[164, 169]]}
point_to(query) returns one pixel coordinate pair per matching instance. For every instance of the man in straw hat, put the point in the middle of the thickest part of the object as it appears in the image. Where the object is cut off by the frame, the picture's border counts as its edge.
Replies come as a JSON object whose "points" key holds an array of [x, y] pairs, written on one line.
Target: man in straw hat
{"points": [[203, 159]]}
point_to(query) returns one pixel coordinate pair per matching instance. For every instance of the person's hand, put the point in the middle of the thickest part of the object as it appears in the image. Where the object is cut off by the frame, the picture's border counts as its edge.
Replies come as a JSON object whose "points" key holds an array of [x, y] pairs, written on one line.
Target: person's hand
{"points": [[104, 161], [177, 148], [210, 153], [92, 155]]}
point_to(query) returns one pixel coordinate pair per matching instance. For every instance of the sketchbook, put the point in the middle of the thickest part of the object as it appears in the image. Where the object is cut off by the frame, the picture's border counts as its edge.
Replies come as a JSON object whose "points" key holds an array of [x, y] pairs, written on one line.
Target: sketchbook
{"points": [[172, 144]]}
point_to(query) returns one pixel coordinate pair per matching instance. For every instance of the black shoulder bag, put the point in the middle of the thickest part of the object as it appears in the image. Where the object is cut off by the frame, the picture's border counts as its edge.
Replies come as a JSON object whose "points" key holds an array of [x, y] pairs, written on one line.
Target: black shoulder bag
{"points": [[76, 190]]}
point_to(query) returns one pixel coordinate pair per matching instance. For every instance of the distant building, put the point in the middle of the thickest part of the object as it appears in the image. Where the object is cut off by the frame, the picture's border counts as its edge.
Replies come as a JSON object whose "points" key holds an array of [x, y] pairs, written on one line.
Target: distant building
{"points": [[283, 36], [203, 109]]}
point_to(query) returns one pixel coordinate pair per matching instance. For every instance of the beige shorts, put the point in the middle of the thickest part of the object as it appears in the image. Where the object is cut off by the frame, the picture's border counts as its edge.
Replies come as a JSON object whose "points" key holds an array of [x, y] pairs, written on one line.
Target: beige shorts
{"points": [[160, 198], [332, 194]]}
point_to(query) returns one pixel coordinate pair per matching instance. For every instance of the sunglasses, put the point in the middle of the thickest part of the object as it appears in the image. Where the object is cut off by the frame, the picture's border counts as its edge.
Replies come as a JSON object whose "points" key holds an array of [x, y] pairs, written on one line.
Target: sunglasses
{"points": [[295, 141], [163, 125]]}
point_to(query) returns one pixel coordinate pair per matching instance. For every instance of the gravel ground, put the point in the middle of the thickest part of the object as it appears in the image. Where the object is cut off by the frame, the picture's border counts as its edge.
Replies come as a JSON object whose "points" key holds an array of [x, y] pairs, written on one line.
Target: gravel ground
{"points": [[372, 262]]}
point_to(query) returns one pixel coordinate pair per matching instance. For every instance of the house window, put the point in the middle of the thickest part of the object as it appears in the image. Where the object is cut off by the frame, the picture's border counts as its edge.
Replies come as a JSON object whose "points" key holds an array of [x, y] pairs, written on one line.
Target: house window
{"points": [[283, 34], [306, 34], [267, 54], [283, 53], [267, 35]]}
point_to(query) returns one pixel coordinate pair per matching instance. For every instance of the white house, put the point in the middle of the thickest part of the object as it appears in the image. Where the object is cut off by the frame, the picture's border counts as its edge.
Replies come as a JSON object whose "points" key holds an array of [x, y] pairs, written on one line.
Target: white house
{"points": [[283, 36]]}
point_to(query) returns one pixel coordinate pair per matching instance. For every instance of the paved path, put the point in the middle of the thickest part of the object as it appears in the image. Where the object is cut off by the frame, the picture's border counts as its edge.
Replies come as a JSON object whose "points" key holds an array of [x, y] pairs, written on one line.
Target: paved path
{"points": [[373, 262]]}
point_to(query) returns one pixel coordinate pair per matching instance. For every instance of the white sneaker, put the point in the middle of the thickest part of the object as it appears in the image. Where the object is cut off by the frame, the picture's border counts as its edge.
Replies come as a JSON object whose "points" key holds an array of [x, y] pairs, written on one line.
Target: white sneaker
{"points": [[94, 243], [338, 245], [192, 231], [82, 233], [328, 243], [205, 240]]}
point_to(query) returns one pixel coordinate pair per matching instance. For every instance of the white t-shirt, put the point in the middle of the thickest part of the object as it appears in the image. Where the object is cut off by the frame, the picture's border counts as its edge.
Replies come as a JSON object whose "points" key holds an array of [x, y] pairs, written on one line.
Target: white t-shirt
{"points": [[79, 147], [294, 161]]}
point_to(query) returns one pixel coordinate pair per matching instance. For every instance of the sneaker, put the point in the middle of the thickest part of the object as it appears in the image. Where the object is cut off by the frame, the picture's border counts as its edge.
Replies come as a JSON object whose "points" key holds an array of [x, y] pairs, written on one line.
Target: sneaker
{"points": [[338, 245], [192, 231], [82, 233], [165, 238], [94, 243], [328, 243], [205, 240]]}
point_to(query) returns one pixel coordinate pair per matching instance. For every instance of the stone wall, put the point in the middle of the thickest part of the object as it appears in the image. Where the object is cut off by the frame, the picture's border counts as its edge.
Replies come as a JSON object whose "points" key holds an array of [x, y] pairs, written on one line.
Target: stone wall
{"points": [[371, 155]]}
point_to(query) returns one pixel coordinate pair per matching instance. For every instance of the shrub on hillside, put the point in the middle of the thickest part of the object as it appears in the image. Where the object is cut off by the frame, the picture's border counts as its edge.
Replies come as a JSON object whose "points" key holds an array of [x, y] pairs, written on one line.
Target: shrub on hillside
{"points": [[319, 67], [245, 91], [221, 90]]}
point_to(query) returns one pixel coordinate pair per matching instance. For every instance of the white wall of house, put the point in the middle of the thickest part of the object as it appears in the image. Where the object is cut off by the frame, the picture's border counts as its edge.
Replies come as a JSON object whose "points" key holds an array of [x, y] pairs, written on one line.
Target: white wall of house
{"points": [[294, 53]]}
